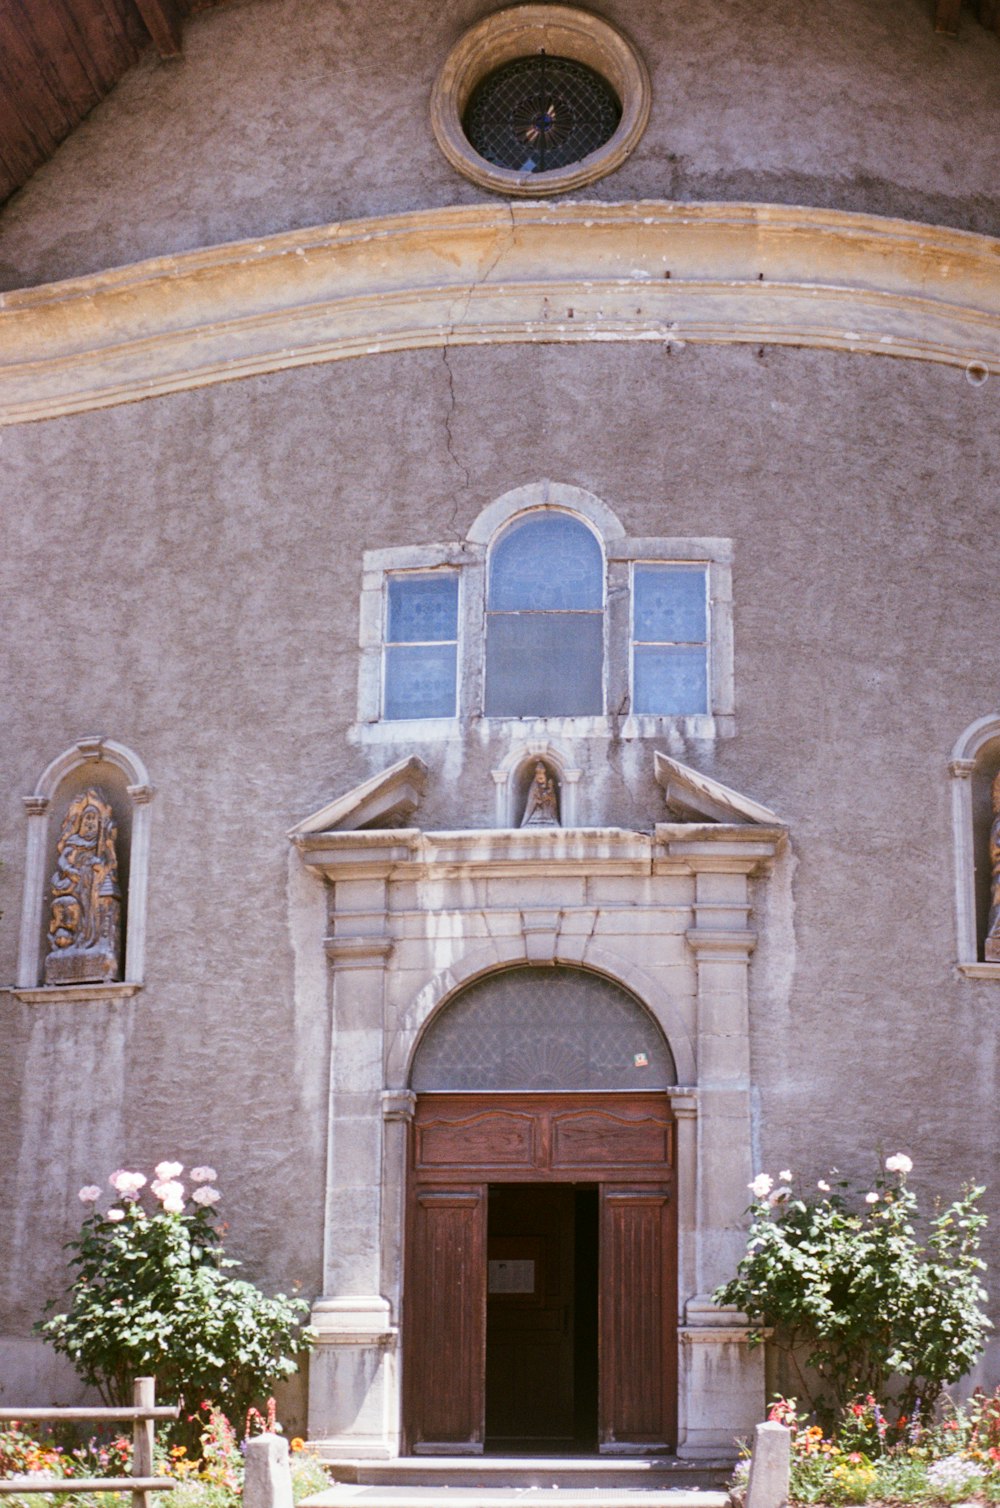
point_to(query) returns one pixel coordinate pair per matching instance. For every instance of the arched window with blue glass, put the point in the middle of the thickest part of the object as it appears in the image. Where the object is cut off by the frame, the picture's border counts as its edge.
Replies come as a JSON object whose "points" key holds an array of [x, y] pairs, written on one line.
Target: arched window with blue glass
{"points": [[545, 619]]}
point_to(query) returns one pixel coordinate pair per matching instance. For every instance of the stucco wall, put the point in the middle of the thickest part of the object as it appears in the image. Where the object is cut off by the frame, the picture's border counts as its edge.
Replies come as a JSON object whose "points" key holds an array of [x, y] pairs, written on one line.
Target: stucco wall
{"points": [[183, 575], [287, 113]]}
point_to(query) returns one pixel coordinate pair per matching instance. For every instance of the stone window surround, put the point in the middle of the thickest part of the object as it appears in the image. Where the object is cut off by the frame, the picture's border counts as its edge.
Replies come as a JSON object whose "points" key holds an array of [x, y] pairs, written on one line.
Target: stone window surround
{"points": [[469, 558], [85, 751], [565, 32], [962, 765]]}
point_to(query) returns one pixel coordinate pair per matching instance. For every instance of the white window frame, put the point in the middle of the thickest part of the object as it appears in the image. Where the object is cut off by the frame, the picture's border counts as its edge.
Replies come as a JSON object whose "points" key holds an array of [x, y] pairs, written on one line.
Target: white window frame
{"points": [[470, 557]]}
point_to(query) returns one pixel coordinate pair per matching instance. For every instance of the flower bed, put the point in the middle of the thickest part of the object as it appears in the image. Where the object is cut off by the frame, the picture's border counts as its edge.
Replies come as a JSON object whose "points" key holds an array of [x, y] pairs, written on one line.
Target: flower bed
{"points": [[209, 1477], [873, 1457]]}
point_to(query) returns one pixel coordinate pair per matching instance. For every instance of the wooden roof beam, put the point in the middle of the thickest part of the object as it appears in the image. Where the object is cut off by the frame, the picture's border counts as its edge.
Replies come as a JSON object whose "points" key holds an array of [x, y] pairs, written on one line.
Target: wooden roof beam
{"points": [[162, 19]]}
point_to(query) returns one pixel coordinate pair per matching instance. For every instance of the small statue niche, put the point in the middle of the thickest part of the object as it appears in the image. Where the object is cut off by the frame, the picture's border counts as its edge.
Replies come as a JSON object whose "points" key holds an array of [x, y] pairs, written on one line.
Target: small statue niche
{"points": [[84, 932], [991, 952], [541, 808]]}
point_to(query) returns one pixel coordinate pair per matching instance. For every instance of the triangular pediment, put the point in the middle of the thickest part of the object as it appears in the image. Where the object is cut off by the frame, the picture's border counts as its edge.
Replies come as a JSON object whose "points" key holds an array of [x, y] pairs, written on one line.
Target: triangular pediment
{"points": [[388, 799], [694, 797]]}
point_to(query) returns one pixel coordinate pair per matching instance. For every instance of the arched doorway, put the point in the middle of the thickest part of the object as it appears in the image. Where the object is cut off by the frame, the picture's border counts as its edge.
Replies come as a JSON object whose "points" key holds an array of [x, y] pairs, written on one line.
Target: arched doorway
{"points": [[540, 1289]]}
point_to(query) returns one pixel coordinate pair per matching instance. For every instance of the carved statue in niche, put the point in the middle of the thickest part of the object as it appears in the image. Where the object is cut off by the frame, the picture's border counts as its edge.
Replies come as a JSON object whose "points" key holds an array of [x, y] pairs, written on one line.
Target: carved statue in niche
{"points": [[542, 806], [992, 950], [85, 908]]}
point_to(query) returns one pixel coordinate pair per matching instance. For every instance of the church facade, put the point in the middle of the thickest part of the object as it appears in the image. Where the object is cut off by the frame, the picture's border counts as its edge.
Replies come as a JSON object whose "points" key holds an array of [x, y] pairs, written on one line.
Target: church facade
{"points": [[502, 731]]}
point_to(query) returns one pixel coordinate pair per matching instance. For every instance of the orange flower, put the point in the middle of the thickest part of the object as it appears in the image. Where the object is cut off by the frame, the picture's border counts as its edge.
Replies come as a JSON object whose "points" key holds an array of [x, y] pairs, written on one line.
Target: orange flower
{"points": [[297, 1443]]}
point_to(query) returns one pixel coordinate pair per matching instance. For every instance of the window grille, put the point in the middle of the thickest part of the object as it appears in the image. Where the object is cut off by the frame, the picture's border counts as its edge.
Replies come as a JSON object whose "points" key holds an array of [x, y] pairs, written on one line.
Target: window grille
{"points": [[420, 676], [545, 620], [670, 638], [540, 113]]}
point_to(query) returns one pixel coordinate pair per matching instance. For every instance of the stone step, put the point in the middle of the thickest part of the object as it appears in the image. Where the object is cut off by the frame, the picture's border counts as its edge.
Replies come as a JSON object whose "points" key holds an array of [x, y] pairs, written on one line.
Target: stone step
{"points": [[562, 1474], [358, 1495]]}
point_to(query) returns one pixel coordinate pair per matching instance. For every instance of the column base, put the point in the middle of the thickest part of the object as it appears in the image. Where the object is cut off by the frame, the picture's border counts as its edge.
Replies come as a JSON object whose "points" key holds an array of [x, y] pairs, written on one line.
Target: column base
{"points": [[353, 1379], [722, 1381]]}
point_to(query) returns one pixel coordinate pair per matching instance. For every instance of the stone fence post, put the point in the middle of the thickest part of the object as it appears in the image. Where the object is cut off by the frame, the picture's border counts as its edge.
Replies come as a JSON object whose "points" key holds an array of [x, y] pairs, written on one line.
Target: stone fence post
{"points": [[268, 1480], [770, 1463]]}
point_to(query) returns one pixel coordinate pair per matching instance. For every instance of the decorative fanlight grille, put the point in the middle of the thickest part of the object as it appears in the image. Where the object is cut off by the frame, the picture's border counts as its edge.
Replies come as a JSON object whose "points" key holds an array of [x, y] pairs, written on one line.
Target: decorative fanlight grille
{"points": [[540, 113]]}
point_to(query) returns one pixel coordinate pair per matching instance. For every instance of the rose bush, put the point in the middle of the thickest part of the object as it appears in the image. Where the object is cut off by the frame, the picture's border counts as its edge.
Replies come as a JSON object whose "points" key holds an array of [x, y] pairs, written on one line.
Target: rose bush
{"points": [[153, 1295], [845, 1282]]}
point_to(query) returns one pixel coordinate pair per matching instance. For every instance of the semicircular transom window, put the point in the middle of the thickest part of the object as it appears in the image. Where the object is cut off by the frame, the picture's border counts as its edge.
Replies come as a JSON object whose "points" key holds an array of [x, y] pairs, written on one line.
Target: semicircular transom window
{"points": [[543, 1029], [545, 620], [539, 113]]}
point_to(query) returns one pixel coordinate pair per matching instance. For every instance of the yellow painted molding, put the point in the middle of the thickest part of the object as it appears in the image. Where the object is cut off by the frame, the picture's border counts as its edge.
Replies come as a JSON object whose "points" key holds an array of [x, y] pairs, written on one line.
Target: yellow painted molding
{"points": [[502, 272]]}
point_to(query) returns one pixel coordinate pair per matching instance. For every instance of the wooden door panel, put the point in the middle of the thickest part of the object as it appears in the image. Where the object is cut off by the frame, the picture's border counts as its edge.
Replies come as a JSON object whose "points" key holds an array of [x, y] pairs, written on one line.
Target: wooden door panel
{"points": [[637, 1318], [600, 1138], [494, 1139], [446, 1319]]}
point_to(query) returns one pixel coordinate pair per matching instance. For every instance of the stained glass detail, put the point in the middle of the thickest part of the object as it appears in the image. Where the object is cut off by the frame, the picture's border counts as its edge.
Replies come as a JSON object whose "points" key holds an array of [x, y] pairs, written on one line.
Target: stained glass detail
{"points": [[670, 680], [543, 1028], [669, 604], [421, 655], [419, 681], [544, 665], [539, 113], [546, 562], [423, 608]]}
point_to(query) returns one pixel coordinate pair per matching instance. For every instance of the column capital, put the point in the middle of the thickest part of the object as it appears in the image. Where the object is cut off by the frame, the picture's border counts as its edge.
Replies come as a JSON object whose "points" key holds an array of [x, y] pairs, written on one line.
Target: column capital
{"points": [[398, 1104], [36, 806], [961, 769]]}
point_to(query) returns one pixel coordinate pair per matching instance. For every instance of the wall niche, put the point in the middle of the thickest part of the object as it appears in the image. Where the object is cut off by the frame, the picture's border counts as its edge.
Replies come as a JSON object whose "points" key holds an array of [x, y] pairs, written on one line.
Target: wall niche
{"points": [[84, 908]]}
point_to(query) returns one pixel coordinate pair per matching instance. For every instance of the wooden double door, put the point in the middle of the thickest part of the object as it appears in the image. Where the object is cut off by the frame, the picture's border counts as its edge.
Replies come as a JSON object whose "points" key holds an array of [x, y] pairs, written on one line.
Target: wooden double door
{"points": [[540, 1290]]}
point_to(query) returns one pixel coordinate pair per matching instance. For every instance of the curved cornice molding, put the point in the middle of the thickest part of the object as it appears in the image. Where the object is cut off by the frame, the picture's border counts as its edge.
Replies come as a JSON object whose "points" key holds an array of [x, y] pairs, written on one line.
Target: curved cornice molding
{"points": [[652, 270]]}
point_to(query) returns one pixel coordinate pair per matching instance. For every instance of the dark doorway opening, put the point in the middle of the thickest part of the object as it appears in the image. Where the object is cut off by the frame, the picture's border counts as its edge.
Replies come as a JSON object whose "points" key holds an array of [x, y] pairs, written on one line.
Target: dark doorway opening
{"points": [[542, 1318]]}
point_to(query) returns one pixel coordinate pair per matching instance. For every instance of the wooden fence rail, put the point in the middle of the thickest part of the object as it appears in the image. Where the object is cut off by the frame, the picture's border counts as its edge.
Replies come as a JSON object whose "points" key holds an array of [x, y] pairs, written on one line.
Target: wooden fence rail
{"points": [[141, 1484]]}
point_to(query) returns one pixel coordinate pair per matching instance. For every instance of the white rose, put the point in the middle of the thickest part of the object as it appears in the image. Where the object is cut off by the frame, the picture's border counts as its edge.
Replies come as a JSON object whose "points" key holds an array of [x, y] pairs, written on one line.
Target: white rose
{"points": [[899, 1164], [203, 1175], [761, 1186], [115, 1214], [780, 1196], [785, 1176], [169, 1192], [206, 1195], [89, 1193], [173, 1206], [871, 1198], [823, 1185], [165, 1171]]}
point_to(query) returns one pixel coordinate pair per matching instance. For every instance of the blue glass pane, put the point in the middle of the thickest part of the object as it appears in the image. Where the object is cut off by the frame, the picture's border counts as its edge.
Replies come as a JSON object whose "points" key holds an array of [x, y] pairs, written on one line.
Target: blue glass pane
{"points": [[420, 681], [670, 604], [544, 664], [547, 561], [423, 608], [670, 681]]}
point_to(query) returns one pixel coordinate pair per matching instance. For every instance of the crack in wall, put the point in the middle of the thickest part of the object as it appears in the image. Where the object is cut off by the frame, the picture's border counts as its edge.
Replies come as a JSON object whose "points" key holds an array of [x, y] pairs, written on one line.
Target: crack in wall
{"points": [[505, 243]]}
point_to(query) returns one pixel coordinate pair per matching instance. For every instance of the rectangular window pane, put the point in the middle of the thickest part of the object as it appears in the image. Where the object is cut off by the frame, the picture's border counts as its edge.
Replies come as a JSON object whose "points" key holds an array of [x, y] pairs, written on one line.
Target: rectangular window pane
{"points": [[670, 679], [423, 609], [544, 664], [420, 680], [670, 604]]}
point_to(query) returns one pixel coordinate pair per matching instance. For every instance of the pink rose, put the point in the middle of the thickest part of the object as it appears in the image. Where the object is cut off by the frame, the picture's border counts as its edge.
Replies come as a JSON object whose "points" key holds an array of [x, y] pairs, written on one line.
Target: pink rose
{"points": [[89, 1194], [206, 1195], [203, 1175]]}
